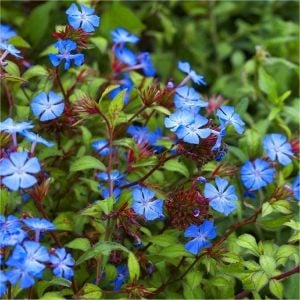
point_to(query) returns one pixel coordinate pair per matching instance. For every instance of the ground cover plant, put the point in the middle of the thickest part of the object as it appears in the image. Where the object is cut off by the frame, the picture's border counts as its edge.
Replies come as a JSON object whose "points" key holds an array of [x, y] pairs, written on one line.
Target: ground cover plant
{"points": [[149, 150]]}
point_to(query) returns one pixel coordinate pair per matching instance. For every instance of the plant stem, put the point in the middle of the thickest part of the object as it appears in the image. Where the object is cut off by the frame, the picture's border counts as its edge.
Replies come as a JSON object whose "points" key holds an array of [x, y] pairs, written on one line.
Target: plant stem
{"points": [[58, 79]]}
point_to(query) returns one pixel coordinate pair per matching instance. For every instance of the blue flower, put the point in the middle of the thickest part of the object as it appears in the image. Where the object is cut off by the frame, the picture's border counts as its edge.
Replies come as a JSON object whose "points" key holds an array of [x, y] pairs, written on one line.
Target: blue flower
{"points": [[6, 32], [192, 133], [115, 176], [122, 275], [126, 83], [11, 232], [116, 193], [227, 116], [28, 261], [256, 174], [3, 280], [121, 35], [39, 224], [101, 146], [18, 169], [35, 138], [220, 135], [11, 127], [47, 106], [9, 49], [143, 204], [62, 263], [222, 198], [84, 19], [278, 148], [178, 118], [142, 134], [200, 235], [187, 98], [65, 47], [296, 187], [146, 64], [186, 68], [125, 55]]}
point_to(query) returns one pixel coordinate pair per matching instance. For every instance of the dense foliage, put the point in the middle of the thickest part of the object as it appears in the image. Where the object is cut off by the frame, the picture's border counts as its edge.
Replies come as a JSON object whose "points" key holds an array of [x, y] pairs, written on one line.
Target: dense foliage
{"points": [[149, 150]]}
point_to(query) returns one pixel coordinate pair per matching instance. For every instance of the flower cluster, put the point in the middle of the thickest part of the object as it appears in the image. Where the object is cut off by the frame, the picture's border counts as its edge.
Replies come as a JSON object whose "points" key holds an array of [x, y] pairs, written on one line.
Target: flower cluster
{"points": [[28, 258]]}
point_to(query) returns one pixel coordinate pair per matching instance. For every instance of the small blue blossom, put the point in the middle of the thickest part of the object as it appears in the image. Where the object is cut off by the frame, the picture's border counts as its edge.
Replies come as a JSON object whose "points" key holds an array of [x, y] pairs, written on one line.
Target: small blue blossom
{"points": [[143, 204], [65, 47], [227, 116], [192, 133], [121, 35], [62, 263], [218, 143], [186, 68], [47, 106], [6, 32], [122, 275], [296, 187], [101, 146], [35, 138], [116, 193], [277, 148], [200, 235], [178, 118], [12, 127], [17, 170], [9, 49], [28, 261], [11, 232], [146, 64], [84, 19], [222, 198], [125, 55], [187, 98], [125, 83], [256, 174], [142, 134], [3, 280], [38, 224], [115, 176]]}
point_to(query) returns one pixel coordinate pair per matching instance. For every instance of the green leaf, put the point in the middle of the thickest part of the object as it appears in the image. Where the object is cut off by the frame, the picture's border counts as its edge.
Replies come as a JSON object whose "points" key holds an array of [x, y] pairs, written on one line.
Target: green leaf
{"points": [[267, 84], [3, 200], [87, 162], [266, 209], [177, 250], [50, 49], [100, 42], [101, 248], [276, 288], [192, 288], [268, 264], [282, 206], [162, 110], [259, 279], [106, 205], [86, 135], [12, 69], [52, 296], [163, 240], [116, 105], [274, 223], [91, 291], [60, 281], [133, 267], [35, 71], [120, 15], [79, 244], [248, 241], [18, 41], [37, 23], [64, 221], [176, 166]]}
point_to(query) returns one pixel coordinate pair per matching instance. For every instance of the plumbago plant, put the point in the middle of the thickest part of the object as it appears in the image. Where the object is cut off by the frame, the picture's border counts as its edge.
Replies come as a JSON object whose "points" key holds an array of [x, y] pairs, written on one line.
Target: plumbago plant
{"points": [[145, 189]]}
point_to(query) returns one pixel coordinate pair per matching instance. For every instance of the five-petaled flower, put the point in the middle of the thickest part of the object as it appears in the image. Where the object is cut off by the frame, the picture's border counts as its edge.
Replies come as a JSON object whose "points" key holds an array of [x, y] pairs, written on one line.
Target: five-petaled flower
{"points": [[256, 174], [65, 48], [62, 263], [47, 106], [121, 35], [186, 68], [84, 19], [222, 198], [200, 235], [17, 170], [143, 204], [277, 148]]}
